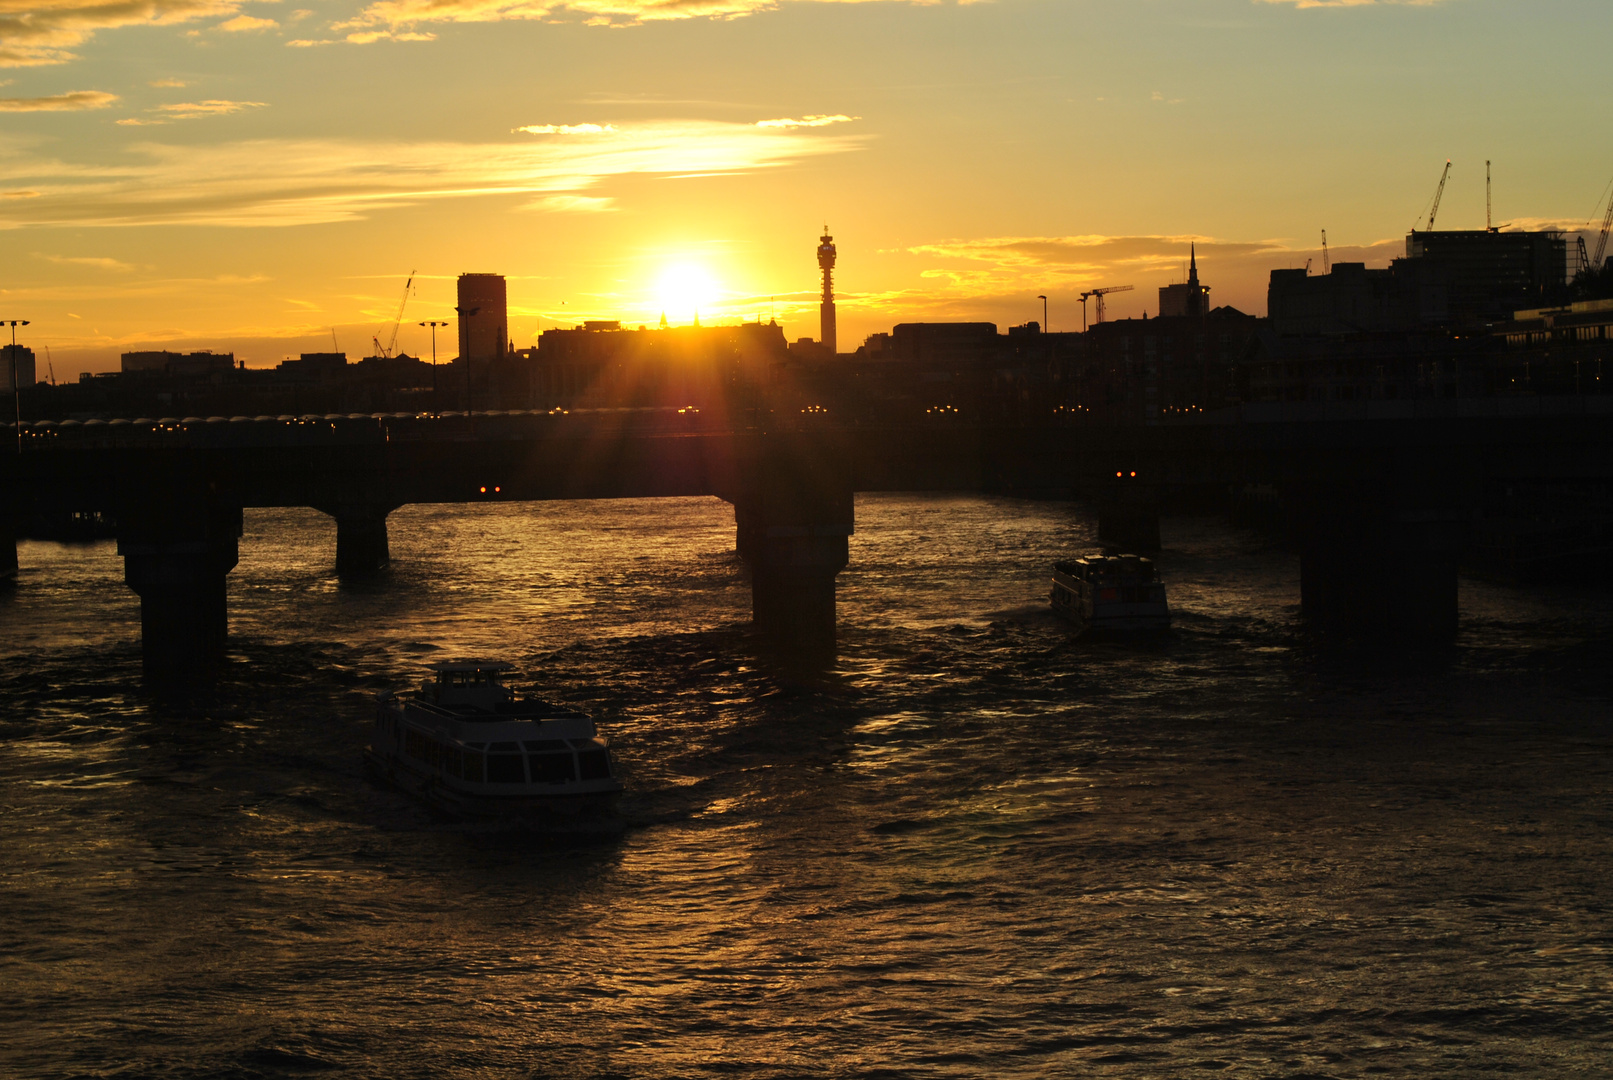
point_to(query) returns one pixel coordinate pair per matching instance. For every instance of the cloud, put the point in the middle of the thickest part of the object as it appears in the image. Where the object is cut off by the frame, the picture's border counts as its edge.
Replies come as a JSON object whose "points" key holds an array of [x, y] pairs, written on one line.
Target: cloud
{"points": [[306, 43], [395, 13], [191, 110], [76, 101], [369, 37], [1005, 266], [280, 182], [808, 121], [1354, 3], [167, 84], [100, 263], [567, 129], [245, 22], [38, 32]]}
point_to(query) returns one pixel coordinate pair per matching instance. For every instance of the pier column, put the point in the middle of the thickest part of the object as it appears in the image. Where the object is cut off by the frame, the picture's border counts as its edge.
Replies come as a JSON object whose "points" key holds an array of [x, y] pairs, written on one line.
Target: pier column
{"points": [[361, 543], [1390, 576], [1128, 514], [178, 561], [793, 519], [8, 550]]}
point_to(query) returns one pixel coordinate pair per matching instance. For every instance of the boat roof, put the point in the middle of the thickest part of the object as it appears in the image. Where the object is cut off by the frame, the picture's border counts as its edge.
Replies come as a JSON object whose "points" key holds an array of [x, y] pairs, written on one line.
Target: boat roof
{"points": [[471, 665]]}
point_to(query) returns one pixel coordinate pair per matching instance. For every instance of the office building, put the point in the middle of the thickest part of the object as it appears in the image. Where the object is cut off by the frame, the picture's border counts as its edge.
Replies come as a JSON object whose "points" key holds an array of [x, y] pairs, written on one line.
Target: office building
{"points": [[23, 358], [483, 317]]}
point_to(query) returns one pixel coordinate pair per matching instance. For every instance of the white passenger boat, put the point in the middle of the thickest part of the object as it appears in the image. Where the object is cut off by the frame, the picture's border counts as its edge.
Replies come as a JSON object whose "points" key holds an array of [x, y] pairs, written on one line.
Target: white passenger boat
{"points": [[1110, 592], [468, 745]]}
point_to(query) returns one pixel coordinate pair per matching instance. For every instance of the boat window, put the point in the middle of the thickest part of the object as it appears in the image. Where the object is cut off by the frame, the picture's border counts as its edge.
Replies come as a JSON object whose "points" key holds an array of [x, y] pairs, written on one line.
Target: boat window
{"points": [[545, 744], [450, 760], [593, 764], [505, 769], [1109, 596], [552, 768], [472, 766], [505, 746], [416, 745]]}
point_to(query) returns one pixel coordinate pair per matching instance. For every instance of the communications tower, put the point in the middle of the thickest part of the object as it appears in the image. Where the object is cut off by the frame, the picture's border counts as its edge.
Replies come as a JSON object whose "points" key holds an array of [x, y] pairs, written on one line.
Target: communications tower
{"points": [[826, 262]]}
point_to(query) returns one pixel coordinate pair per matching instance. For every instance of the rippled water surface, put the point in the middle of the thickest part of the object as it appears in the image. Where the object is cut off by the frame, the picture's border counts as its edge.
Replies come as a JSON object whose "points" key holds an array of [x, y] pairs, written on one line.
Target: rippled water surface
{"points": [[975, 846]]}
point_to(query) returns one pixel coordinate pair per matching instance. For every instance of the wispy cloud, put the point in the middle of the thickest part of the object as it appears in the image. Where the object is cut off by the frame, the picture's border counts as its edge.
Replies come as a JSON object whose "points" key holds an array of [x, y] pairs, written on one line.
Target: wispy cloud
{"points": [[369, 37], [808, 121], [190, 110], [167, 84], [275, 182], [76, 101], [98, 262], [1000, 266], [39, 32], [1354, 3], [242, 23], [396, 13], [567, 129]]}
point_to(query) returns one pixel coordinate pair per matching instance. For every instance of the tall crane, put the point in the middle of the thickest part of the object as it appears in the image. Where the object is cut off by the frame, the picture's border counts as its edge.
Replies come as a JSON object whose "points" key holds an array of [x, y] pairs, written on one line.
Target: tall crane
{"points": [[1433, 210], [1601, 242], [1327, 267], [392, 343], [1100, 294]]}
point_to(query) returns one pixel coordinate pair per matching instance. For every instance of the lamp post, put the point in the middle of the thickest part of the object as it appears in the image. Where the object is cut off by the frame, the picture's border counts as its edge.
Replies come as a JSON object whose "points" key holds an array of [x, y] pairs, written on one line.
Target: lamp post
{"points": [[466, 313], [16, 393], [435, 403]]}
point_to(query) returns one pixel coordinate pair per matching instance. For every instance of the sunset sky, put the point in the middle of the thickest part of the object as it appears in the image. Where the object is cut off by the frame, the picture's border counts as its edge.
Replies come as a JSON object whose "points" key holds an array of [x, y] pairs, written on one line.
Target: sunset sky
{"points": [[254, 176]]}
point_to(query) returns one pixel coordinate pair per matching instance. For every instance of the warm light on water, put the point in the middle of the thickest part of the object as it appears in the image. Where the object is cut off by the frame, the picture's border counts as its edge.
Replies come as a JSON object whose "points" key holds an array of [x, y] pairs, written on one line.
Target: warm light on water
{"points": [[976, 847]]}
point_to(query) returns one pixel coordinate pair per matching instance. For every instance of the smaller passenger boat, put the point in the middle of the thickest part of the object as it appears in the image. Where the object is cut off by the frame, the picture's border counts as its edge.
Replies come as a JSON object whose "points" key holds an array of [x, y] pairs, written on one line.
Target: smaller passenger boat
{"points": [[469, 745], [1110, 592]]}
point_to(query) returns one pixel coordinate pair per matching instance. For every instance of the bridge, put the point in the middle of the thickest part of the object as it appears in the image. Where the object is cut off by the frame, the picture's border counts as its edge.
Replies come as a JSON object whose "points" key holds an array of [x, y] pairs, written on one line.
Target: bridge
{"points": [[1380, 496]]}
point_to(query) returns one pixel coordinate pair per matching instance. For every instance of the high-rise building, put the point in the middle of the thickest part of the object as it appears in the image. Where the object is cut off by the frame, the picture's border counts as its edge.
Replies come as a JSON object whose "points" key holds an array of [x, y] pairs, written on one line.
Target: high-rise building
{"points": [[826, 262], [483, 317], [23, 357], [1189, 299]]}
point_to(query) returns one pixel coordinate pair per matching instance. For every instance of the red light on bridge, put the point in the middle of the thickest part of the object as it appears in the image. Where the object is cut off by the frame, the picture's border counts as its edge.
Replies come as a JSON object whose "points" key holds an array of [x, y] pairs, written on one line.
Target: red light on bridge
{"points": [[484, 490]]}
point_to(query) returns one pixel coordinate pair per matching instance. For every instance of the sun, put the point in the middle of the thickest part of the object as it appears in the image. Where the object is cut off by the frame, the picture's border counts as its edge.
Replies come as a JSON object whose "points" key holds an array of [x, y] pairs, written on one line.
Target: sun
{"points": [[683, 290]]}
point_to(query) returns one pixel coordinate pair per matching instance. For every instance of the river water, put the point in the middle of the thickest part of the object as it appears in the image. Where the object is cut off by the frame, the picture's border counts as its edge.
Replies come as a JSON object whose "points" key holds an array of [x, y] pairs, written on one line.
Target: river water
{"points": [[975, 846]]}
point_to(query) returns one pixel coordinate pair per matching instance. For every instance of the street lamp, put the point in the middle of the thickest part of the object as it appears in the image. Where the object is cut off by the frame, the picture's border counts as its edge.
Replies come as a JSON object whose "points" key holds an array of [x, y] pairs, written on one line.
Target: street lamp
{"points": [[466, 313], [16, 393], [435, 403]]}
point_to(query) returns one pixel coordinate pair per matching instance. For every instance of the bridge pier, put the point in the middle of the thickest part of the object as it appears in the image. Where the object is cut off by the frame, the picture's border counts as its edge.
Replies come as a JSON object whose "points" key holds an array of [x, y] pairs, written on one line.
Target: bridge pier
{"points": [[361, 541], [1387, 576], [177, 560], [1128, 516], [793, 569], [793, 519], [8, 550]]}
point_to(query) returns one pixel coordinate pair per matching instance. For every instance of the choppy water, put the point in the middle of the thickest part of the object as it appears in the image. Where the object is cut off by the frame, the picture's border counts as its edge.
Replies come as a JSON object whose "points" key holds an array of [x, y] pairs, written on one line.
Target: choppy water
{"points": [[975, 847]]}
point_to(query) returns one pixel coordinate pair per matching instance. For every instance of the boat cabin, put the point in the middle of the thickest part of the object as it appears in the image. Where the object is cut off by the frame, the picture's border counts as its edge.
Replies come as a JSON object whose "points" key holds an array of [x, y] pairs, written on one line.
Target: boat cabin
{"points": [[477, 683]]}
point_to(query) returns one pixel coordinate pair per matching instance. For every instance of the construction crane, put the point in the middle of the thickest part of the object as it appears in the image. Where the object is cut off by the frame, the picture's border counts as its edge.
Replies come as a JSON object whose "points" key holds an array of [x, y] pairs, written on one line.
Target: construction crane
{"points": [[397, 321], [1100, 294], [1433, 210], [1327, 267], [1601, 241]]}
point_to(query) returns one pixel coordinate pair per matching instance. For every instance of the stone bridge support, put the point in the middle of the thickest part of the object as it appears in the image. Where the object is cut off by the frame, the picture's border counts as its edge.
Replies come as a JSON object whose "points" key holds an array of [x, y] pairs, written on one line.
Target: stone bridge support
{"points": [[176, 556], [361, 540], [1128, 513], [1389, 576], [793, 520]]}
